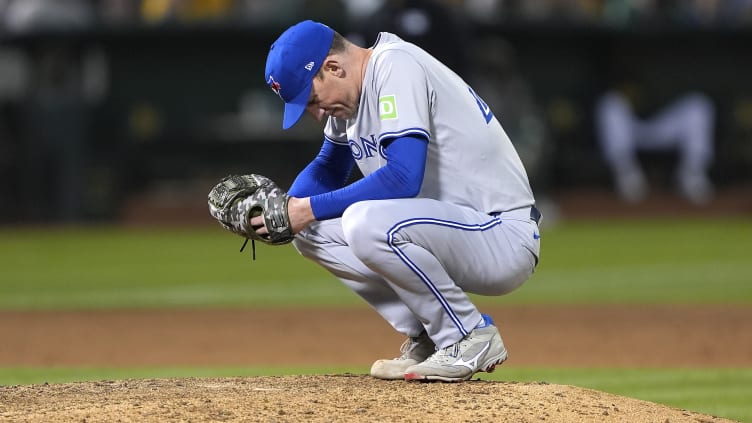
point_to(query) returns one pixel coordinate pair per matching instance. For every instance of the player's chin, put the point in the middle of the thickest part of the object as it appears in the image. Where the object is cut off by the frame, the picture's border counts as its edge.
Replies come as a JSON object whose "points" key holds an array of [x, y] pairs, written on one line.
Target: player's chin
{"points": [[344, 114]]}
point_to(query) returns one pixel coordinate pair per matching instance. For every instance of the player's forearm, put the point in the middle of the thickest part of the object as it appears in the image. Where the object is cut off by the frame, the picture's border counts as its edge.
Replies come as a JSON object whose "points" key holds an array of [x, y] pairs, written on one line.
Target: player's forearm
{"points": [[300, 213], [328, 171], [402, 177]]}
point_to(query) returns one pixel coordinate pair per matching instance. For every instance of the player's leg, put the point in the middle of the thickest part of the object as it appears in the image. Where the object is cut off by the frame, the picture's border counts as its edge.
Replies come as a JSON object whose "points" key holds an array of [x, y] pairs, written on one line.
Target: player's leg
{"points": [[615, 125], [687, 126], [431, 253], [323, 242]]}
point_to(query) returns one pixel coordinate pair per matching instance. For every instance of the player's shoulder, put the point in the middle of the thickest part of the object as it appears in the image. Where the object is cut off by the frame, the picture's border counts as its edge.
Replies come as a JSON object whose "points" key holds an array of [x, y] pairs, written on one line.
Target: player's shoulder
{"points": [[386, 40], [391, 51], [390, 46]]}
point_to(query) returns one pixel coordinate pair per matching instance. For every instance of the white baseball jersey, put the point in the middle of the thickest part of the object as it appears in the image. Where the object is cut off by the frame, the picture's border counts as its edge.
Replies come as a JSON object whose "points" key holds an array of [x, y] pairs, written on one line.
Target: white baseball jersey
{"points": [[406, 91], [415, 259]]}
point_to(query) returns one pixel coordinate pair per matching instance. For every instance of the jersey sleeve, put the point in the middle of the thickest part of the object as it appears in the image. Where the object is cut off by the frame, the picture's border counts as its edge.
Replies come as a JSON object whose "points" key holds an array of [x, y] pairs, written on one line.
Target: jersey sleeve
{"points": [[402, 177], [404, 95], [328, 171]]}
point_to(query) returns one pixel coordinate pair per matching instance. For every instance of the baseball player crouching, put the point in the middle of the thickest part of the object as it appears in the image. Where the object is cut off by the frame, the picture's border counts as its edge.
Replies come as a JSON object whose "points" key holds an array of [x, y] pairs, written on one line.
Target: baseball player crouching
{"points": [[444, 207]]}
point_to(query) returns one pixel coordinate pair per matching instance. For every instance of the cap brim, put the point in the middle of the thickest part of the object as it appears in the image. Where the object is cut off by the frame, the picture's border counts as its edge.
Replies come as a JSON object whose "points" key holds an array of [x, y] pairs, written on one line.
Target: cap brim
{"points": [[294, 108]]}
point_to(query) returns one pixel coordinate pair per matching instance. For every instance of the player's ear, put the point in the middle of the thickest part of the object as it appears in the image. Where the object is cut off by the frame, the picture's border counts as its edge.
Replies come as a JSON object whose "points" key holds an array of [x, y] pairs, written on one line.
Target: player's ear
{"points": [[333, 67]]}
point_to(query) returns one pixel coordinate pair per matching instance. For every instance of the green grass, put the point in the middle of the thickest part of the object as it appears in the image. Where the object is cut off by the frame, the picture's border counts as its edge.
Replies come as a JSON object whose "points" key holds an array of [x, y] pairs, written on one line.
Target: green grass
{"points": [[669, 261], [654, 261], [110, 267], [643, 261], [719, 392]]}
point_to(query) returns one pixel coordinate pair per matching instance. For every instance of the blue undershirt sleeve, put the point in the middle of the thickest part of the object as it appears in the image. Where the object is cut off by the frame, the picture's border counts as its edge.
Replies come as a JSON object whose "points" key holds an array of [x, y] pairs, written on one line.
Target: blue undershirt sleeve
{"points": [[401, 177], [329, 171]]}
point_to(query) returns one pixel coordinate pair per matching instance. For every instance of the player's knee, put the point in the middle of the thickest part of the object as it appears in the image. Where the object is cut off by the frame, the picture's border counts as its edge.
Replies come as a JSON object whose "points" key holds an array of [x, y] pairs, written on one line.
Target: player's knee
{"points": [[301, 245], [306, 248], [362, 226], [313, 240]]}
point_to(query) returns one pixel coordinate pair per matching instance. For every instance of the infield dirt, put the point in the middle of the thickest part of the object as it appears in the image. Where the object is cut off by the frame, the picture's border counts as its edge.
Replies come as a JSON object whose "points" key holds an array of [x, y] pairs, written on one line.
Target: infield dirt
{"points": [[327, 398], [588, 336]]}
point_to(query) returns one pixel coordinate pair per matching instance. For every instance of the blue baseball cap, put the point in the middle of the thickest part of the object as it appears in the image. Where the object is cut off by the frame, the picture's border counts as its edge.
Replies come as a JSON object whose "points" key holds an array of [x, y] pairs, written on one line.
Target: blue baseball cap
{"points": [[293, 61]]}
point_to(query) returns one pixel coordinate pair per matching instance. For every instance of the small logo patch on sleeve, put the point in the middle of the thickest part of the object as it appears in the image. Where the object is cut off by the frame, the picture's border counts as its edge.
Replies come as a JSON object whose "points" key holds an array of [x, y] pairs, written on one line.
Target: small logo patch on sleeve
{"points": [[387, 107]]}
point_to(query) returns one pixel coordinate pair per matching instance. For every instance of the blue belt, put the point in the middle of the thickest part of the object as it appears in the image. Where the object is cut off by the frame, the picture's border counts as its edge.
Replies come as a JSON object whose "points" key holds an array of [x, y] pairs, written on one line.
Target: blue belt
{"points": [[535, 214]]}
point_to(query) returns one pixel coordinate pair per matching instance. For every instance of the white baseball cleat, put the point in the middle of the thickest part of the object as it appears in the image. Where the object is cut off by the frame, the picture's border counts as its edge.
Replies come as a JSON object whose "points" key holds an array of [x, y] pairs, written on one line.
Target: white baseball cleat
{"points": [[414, 350], [480, 351]]}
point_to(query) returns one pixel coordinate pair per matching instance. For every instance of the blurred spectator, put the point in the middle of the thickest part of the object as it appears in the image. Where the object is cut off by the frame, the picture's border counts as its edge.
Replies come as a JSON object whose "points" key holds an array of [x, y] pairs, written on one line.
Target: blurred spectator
{"points": [[617, 13], [116, 12], [436, 26], [548, 11], [58, 84], [268, 12], [677, 12], [154, 11], [29, 15], [685, 126]]}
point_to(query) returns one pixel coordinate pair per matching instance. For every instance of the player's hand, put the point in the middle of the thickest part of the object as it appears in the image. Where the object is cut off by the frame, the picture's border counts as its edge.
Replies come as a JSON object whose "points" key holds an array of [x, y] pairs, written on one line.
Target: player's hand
{"points": [[236, 198], [299, 212], [257, 224]]}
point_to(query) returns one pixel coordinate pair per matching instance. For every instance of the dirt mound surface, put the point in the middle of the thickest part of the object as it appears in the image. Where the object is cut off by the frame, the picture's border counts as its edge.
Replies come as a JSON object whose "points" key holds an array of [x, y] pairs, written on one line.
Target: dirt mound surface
{"points": [[690, 336], [330, 398]]}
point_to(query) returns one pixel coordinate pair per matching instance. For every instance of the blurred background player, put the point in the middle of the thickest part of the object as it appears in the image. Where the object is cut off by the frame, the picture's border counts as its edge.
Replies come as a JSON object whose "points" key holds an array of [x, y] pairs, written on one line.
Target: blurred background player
{"points": [[684, 126]]}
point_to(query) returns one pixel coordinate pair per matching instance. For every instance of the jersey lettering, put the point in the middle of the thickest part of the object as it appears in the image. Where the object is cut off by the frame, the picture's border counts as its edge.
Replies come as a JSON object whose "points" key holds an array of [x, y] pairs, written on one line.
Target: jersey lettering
{"points": [[366, 148], [369, 146], [484, 109], [357, 152], [382, 151]]}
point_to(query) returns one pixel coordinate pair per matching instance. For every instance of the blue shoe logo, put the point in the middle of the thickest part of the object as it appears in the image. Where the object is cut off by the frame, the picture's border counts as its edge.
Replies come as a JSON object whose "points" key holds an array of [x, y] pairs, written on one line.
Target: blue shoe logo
{"points": [[536, 236]]}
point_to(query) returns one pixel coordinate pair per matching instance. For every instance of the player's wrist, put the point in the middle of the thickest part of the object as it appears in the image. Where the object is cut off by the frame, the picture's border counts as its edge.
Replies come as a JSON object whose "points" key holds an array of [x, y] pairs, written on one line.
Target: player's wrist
{"points": [[300, 213]]}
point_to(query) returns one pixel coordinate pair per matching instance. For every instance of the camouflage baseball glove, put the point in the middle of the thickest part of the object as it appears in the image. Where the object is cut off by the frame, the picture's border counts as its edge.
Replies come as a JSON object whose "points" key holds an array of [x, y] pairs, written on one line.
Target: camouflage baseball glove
{"points": [[238, 198]]}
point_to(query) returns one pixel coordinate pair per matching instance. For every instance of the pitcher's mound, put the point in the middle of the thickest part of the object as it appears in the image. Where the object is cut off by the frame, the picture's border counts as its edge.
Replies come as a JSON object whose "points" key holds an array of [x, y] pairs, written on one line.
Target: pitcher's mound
{"points": [[326, 398]]}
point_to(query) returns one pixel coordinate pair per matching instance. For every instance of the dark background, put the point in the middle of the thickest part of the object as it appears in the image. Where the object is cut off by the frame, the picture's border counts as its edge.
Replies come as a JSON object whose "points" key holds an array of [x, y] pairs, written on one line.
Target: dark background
{"points": [[129, 100]]}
